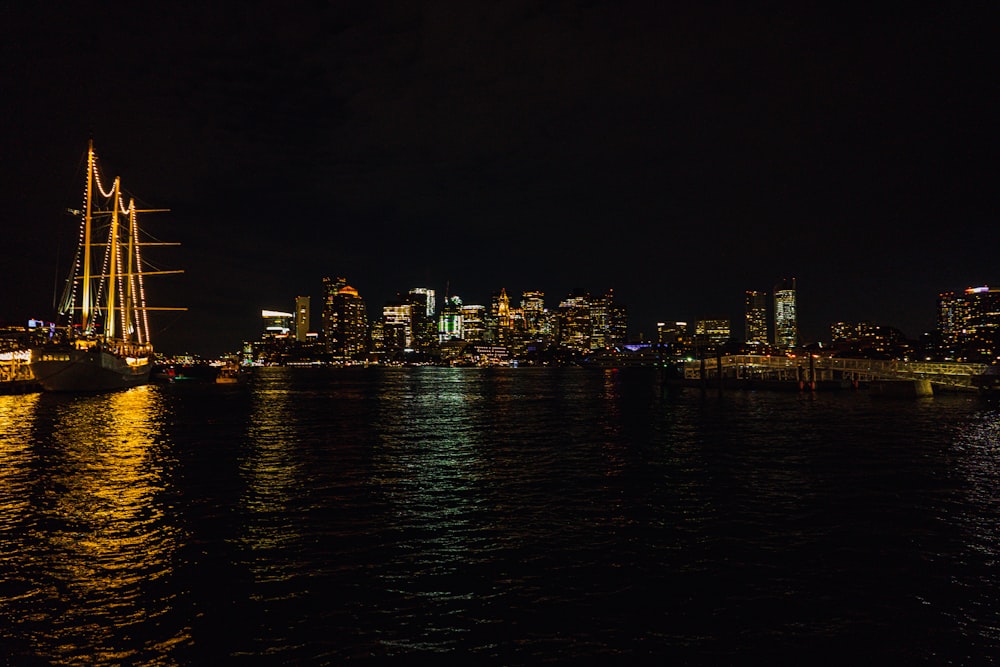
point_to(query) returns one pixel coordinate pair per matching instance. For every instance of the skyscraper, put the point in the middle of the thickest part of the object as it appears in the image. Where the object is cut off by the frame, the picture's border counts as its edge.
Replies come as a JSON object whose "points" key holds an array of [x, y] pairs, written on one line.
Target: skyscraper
{"points": [[301, 318], [397, 326], [756, 318], [450, 321], [574, 324], [710, 334], [786, 332], [969, 323], [277, 323], [345, 323], [474, 323], [609, 322], [423, 326], [533, 307]]}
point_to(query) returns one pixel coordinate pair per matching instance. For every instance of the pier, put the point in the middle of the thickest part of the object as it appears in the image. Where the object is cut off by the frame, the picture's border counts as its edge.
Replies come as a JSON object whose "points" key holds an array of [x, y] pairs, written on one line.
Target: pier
{"points": [[811, 372]]}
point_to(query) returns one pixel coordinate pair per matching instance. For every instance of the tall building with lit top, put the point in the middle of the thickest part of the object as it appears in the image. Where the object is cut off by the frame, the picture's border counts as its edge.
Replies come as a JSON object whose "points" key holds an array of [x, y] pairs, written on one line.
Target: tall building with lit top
{"points": [[397, 321], [755, 325], [345, 324], [969, 324], [499, 323], [786, 330], [429, 302]]}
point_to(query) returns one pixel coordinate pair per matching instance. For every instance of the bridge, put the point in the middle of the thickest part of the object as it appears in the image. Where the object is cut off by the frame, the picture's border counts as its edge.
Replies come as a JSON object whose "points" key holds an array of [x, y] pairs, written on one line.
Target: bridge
{"points": [[821, 370]]}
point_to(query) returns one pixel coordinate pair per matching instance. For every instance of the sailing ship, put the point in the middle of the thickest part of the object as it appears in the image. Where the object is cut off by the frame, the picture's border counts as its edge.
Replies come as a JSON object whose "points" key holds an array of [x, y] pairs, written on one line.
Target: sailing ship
{"points": [[105, 343]]}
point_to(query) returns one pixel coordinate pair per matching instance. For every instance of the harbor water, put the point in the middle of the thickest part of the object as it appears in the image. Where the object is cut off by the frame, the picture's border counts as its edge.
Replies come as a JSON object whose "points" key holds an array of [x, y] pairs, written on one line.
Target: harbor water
{"points": [[317, 516]]}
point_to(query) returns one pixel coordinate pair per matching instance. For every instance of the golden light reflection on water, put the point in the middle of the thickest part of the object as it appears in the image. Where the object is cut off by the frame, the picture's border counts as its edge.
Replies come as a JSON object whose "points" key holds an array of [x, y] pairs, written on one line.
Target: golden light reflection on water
{"points": [[273, 477], [17, 415], [98, 539]]}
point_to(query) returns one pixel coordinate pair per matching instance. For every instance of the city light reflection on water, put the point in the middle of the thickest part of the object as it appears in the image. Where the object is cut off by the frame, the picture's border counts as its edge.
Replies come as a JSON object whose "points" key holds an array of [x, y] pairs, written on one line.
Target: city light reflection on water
{"points": [[430, 475], [512, 516]]}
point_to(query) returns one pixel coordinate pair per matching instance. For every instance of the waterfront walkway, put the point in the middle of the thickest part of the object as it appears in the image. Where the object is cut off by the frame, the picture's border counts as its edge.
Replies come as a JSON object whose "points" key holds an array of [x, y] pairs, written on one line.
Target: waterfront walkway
{"points": [[819, 368]]}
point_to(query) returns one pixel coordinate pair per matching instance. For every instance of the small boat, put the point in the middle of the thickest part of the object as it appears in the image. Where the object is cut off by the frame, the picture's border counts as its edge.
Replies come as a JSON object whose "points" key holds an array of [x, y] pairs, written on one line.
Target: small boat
{"points": [[103, 341], [229, 373]]}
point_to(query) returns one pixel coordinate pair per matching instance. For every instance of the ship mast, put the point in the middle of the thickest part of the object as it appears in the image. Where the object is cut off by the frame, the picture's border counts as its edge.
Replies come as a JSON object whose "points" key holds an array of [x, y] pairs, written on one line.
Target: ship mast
{"points": [[85, 321], [113, 268]]}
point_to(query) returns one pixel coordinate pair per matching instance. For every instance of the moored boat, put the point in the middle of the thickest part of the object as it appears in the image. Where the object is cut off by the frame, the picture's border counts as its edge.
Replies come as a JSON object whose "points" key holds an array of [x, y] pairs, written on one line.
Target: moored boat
{"points": [[230, 373], [104, 342]]}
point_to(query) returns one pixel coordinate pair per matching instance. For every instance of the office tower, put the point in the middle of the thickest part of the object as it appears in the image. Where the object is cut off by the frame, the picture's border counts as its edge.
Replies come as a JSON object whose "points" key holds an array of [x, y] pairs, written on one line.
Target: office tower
{"points": [[852, 332], [330, 288], [756, 318], [397, 326], [574, 327], [969, 324], [450, 322], [474, 323], [533, 307], [786, 333], [952, 313], [712, 333], [301, 318], [422, 322], [609, 322], [276, 323], [671, 333], [429, 301], [345, 323]]}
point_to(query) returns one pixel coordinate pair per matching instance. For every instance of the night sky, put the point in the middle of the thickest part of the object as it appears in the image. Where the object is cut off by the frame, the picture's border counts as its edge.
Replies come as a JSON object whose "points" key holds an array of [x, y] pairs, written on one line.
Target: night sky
{"points": [[678, 154]]}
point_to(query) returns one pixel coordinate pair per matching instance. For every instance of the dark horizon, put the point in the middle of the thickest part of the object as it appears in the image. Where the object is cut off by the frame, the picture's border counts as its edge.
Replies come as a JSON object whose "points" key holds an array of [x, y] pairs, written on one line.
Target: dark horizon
{"points": [[680, 156]]}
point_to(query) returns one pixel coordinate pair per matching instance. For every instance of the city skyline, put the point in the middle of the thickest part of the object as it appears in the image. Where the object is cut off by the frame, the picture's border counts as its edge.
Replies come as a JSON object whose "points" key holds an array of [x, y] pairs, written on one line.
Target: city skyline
{"points": [[681, 154], [761, 319]]}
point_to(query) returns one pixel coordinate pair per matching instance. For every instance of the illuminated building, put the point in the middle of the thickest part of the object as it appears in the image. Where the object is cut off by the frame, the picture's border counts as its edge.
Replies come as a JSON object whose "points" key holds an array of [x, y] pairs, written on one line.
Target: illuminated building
{"points": [[345, 319], [428, 301], [422, 324], [969, 324], [397, 326], [573, 324], [867, 339], [276, 323], [499, 323], [786, 331], [533, 308], [330, 288], [756, 318], [711, 334], [671, 333], [346, 324], [474, 323], [301, 318], [450, 321], [851, 332], [609, 322]]}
